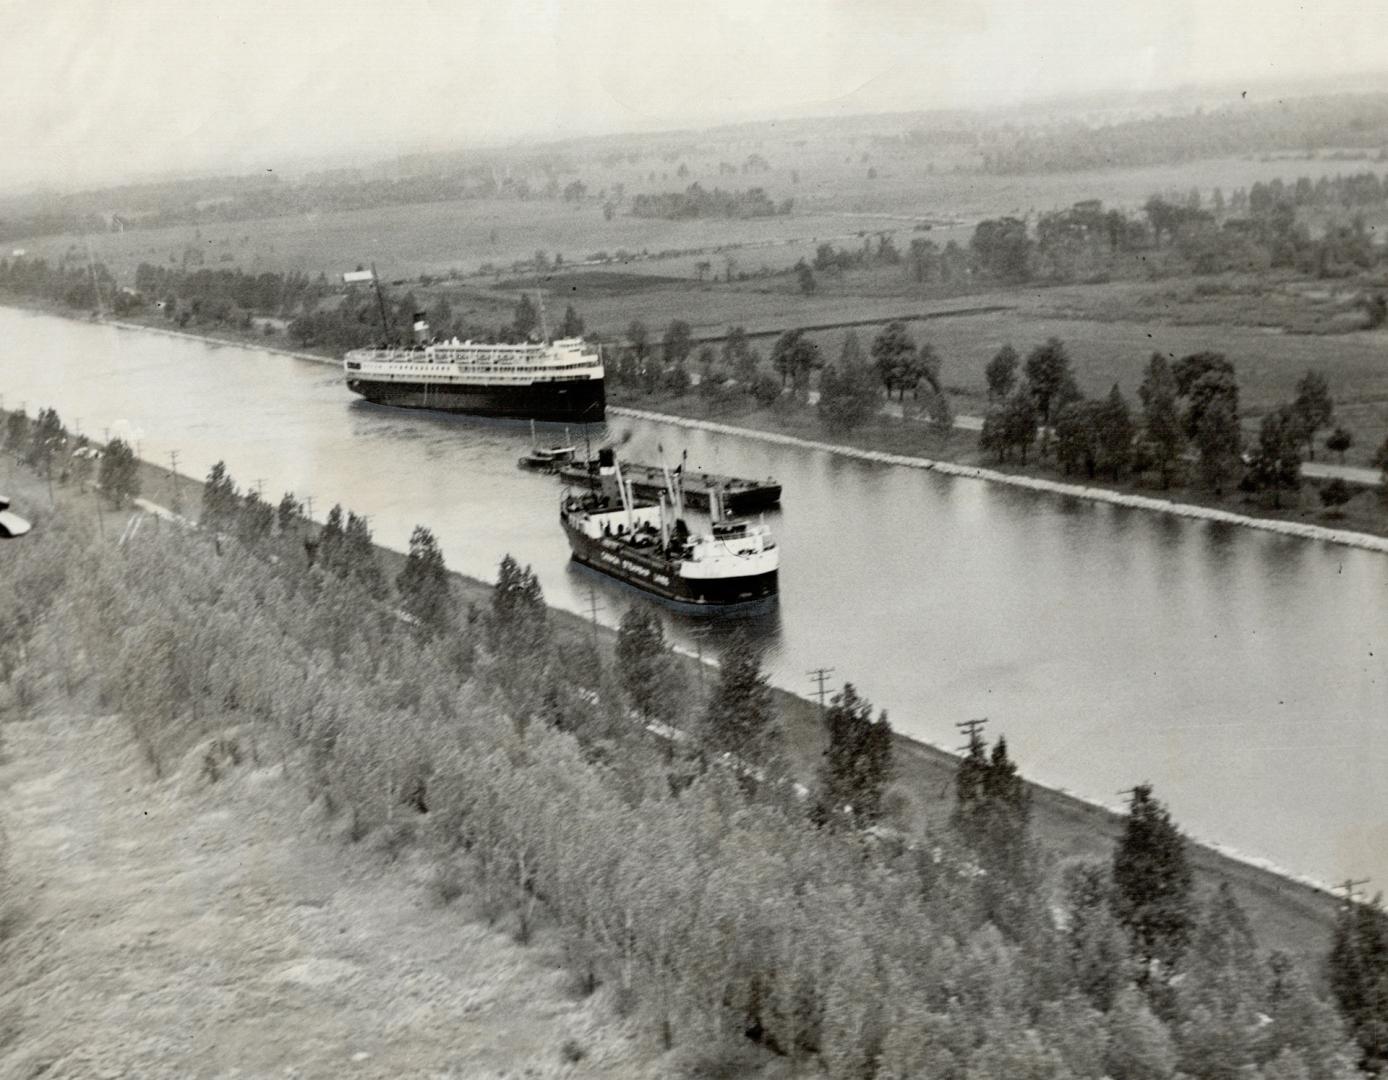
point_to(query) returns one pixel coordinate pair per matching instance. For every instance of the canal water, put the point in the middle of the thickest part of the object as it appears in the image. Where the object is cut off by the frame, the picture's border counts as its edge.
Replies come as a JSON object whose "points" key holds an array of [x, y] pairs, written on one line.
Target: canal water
{"points": [[1243, 673]]}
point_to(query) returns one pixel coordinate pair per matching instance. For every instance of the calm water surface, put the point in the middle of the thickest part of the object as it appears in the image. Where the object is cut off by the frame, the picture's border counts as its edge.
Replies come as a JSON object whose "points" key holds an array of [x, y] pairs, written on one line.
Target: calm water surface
{"points": [[1241, 672]]}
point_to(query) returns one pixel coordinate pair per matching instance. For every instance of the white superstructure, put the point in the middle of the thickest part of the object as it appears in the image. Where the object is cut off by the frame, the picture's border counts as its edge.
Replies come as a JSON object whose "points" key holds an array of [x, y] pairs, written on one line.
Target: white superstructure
{"points": [[470, 363]]}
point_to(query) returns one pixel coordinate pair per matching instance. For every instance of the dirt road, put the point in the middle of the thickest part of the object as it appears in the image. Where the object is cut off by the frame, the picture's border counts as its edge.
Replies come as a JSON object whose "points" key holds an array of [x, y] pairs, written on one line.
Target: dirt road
{"points": [[183, 928]]}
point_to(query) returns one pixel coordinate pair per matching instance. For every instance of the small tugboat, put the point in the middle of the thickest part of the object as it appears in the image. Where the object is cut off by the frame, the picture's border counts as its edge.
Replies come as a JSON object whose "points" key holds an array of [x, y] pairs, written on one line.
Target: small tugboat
{"points": [[648, 545], [734, 495], [546, 458]]}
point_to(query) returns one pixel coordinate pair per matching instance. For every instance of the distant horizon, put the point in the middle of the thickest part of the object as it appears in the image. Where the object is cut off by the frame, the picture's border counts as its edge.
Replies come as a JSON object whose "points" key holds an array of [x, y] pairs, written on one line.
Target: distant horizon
{"points": [[1165, 100], [110, 93]]}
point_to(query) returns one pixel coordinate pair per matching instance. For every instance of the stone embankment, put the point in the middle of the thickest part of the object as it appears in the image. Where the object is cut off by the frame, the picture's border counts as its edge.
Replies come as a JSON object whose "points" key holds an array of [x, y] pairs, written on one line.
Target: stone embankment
{"points": [[1035, 483]]}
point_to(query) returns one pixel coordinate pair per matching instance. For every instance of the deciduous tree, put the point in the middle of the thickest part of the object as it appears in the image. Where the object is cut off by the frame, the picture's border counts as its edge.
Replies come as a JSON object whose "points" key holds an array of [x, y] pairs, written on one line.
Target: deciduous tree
{"points": [[893, 357], [1313, 408], [1218, 440], [1339, 441], [1276, 464], [1047, 371], [120, 473], [1001, 373], [1161, 418]]}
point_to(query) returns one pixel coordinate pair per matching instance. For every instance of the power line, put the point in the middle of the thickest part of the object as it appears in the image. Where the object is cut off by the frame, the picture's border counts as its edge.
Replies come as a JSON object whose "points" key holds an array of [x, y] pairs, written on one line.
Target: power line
{"points": [[1349, 885]]}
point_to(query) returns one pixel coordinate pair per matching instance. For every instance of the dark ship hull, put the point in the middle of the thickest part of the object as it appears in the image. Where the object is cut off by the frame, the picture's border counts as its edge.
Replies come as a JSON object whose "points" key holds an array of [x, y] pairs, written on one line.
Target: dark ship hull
{"points": [[574, 400], [739, 497], [655, 575]]}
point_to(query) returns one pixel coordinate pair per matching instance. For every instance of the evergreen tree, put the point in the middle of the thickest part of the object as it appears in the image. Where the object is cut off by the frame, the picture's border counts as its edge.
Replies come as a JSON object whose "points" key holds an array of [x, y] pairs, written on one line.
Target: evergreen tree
{"points": [[518, 629], [572, 326], [329, 545], [646, 667], [1152, 885], [526, 318], [287, 512], [857, 763], [423, 584], [219, 499], [119, 475], [358, 557], [255, 519], [1357, 968], [740, 718], [992, 813]]}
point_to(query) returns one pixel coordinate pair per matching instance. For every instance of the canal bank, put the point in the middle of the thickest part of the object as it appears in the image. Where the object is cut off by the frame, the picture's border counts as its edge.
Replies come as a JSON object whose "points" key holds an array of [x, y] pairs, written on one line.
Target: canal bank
{"points": [[1239, 671], [1302, 530], [1289, 914], [1195, 511]]}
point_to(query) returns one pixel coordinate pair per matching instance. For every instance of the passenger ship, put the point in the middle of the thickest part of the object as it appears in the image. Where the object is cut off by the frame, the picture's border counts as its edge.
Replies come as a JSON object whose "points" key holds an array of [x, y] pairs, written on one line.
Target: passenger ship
{"points": [[557, 380]]}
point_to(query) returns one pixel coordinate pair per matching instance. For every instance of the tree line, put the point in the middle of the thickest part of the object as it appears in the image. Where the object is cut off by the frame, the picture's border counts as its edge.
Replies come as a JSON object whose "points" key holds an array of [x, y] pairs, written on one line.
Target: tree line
{"points": [[696, 201], [689, 877], [1300, 124], [1187, 414], [1086, 242]]}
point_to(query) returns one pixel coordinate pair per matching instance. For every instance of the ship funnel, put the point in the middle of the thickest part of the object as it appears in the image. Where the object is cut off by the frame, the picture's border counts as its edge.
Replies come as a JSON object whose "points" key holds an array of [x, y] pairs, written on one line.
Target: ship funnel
{"points": [[421, 328], [607, 461]]}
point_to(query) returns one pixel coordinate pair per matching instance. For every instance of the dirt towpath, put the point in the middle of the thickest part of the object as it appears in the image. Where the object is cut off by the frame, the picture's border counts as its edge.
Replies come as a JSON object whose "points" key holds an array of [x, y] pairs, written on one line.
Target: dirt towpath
{"points": [[182, 928]]}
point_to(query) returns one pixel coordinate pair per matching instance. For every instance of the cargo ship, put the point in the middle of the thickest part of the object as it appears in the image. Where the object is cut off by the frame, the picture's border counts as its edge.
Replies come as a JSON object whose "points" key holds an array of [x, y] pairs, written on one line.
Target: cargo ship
{"points": [[735, 495], [537, 380], [648, 545]]}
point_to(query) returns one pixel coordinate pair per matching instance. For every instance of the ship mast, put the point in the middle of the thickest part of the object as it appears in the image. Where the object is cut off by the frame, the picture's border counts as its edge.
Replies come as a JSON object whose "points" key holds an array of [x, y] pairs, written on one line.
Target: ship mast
{"points": [[381, 302]]}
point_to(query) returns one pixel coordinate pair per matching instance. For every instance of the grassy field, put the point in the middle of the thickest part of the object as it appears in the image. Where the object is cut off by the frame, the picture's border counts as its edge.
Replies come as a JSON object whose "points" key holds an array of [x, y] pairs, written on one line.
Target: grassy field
{"points": [[835, 199]]}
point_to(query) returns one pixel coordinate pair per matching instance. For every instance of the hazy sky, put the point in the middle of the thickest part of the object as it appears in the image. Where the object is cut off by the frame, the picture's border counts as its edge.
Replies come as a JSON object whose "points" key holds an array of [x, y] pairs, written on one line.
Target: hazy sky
{"points": [[99, 89]]}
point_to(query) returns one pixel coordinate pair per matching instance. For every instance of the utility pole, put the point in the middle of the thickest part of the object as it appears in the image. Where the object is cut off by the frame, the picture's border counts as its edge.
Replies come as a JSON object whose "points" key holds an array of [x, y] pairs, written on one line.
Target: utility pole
{"points": [[593, 608], [820, 676], [971, 729], [173, 472], [1350, 885], [260, 487]]}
